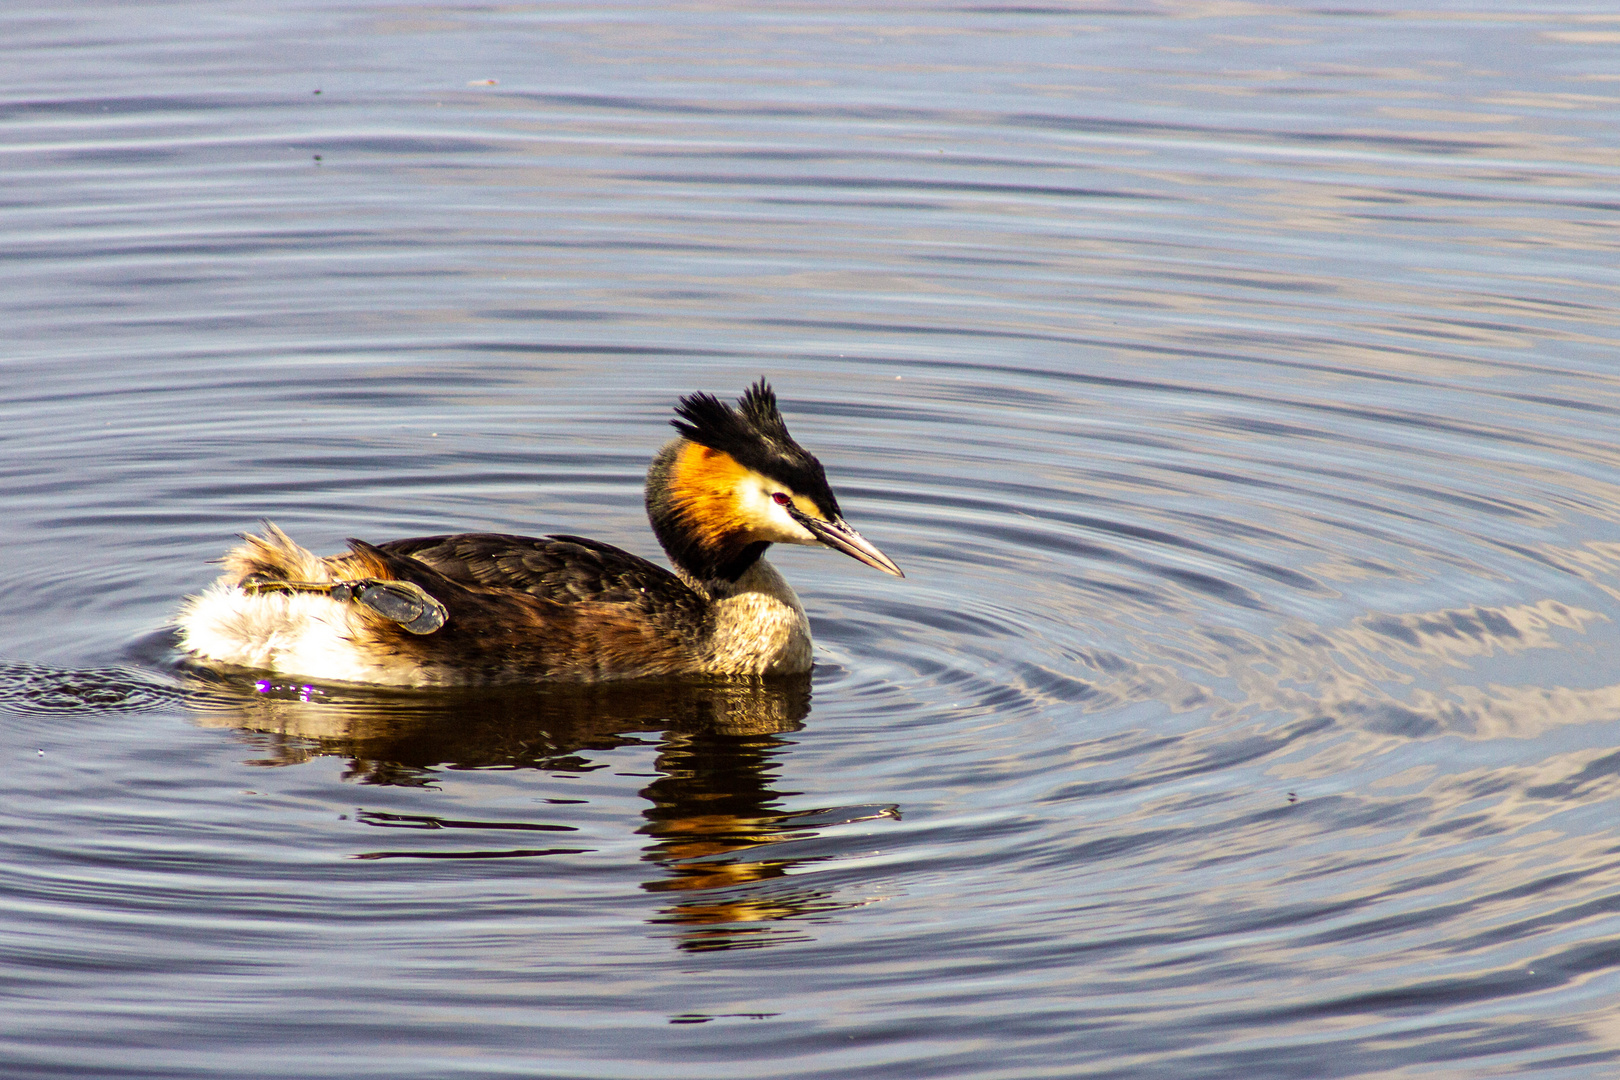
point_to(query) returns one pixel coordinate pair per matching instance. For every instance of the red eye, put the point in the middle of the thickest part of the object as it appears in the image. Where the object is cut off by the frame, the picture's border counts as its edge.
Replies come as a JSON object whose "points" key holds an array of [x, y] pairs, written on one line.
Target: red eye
{"points": [[781, 498]]}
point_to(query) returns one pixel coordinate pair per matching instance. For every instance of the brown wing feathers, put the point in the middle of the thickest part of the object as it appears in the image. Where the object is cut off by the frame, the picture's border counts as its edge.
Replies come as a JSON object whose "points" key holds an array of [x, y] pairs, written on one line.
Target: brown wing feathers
{"points": [[558, 607]]}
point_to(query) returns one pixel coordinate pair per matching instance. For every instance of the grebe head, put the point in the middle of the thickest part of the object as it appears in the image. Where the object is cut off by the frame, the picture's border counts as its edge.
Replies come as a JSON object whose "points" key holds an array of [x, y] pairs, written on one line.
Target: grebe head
{"points": [[735, 483]]}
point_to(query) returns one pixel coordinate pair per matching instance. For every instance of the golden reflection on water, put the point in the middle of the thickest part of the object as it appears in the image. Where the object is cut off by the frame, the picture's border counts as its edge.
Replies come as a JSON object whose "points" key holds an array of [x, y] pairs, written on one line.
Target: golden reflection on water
{"points": [[714, 820]]}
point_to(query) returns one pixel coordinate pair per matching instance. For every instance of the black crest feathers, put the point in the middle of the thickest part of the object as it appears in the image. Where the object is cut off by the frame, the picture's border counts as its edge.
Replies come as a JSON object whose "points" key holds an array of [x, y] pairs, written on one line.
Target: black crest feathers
{"points": [[754, 433], [706, 419]]}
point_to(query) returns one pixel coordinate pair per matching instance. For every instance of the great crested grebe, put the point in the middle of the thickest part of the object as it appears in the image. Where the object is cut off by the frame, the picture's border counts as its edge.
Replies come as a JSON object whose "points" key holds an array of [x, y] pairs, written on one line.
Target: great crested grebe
{"points": [[479, 608]]}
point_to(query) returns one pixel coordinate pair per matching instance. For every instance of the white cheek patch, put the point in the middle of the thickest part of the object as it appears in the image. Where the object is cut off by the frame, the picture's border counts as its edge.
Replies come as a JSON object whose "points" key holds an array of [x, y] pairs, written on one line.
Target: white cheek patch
{"points": [[771, 521]]}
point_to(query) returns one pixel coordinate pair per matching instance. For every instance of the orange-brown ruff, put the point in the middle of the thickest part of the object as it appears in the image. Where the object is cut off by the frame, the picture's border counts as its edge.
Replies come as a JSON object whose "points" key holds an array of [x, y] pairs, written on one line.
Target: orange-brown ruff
{"points": [[480, 608]]}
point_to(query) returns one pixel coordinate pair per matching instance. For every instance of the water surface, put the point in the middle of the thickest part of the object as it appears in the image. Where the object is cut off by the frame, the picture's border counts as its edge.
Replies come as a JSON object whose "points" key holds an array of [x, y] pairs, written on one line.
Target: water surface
{"points": [[1235, 386]]}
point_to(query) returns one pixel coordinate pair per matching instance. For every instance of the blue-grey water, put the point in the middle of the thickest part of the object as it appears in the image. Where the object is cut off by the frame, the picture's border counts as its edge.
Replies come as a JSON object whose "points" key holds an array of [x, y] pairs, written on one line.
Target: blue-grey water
{"points": [[1237, 385]]}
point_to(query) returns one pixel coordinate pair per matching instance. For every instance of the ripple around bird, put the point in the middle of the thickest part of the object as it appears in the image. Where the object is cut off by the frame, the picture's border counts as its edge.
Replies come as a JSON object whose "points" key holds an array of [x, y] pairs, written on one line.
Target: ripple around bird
{"points": [[1243, 421]]}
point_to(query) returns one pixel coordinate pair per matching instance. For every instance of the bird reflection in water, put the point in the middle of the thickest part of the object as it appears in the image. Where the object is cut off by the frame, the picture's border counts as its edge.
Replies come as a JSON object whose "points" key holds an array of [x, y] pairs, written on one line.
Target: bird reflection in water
{"points": [[718, 834], [722, 843]]}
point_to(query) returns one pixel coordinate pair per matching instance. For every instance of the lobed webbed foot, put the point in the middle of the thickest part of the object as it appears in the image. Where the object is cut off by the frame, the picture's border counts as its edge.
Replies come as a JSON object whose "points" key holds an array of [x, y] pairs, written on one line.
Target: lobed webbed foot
{"points": [[405, 603]]}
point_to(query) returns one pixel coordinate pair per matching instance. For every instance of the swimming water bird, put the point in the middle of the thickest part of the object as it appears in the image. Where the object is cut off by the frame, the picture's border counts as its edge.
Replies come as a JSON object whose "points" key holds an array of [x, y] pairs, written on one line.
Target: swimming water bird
{"points": [[483, 608]]}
